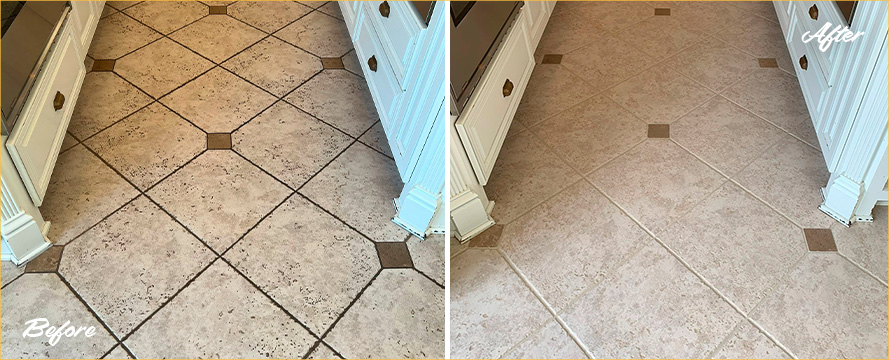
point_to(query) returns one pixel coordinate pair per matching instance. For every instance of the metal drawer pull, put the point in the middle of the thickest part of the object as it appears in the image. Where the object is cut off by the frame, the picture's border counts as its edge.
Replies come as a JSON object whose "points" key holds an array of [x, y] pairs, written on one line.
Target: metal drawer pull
{"points": [[372, 63], [804, 63], [59, 101], [813, 12], [507, 88], [384, 9]]}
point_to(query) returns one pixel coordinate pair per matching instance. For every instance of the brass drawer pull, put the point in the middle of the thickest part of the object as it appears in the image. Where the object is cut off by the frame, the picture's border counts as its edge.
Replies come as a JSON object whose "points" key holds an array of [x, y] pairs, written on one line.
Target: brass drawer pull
{"points": [[372, 63], [804, 63], [384, 9], [59, 101], [813, 12], [507, 88]]}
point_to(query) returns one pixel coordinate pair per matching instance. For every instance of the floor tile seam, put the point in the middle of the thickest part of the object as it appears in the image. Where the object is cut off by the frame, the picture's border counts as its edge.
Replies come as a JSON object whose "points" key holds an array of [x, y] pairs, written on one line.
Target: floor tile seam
{"points": [[88, 229], [115, 122], [335, 351], [311, 10], [862, 268], [414, 268], [126, 7], [365, 143], [301, 48], [316, 118], [224, 252], [162, 35], [13, 279], [157, 30], [176, 170], [127, 350], [751, 54], [349, 306], [92, 312], [786, 132], [332, 160], [362, 235], [712, 353], [534, 331]]}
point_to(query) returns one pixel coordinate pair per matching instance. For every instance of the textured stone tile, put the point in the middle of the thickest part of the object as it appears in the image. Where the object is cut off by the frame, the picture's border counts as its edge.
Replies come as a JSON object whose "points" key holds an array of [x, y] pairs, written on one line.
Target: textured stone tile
{"points": [[117, 353], [580, 230], [323, 352], [851, 319], [737, 243], [659, 95], [289, 144], [704, 16], [760, 38], [83, 190], [651, 307], [358, 187], [339, 98], [764, 9], [10, 272], [48, 261], [569, 28], [376, 138], [217, 3], [319, 34], [725, 135], [219, 196], [866, 243], [550, 90], [394, 255], [117, 35], [220, 315], [591, 133], [606, 61], [332, 9], [120, 5], [37, 296], [429, 256], [713, 63], [313, 4], [167, 16], [131, 146], [551, 342], [656, 182], [126, 273], [217, 37], [526, 174], [68, 142], [789, 176], [515, 128], [491, 309], [350, 61], [218, 101], [274, 65], [401, 315], [104, 99], [161, 67], [268, 15], [660, 36], [107, 10], [314, 280], [747, 342]]}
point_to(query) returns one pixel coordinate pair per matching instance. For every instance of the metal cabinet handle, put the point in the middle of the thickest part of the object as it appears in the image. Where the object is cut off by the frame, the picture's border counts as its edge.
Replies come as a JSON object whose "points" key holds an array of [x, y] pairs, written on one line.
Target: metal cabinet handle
{"points": [[507, 88], [59, 101], [813, 12], [384, 9], [372, 63], [804, 63]]}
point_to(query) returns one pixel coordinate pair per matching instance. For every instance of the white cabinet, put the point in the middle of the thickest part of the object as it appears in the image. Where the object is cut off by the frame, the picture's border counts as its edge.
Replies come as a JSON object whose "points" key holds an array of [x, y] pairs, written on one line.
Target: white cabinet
{"points": [[85, 16]]}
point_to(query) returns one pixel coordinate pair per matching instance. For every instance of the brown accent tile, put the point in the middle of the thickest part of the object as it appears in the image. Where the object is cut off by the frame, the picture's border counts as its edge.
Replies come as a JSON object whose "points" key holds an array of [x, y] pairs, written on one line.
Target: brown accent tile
{"points": [[658, 131], [768, 62], [332, 63], [820, 240], [46, 262], [662, 11], [219, 10], [488, 238], [552, 59], [394, 255], [103, 65], [219, 141]]}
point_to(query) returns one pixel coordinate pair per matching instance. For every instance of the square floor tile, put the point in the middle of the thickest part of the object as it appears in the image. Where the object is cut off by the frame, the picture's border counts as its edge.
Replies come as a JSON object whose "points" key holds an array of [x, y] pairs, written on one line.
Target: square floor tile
{"points": [[161, 67], [359, 187], [350, 62], [118, 353], [220, 315], [104, 99], [217, 37], [218, 10], [489, 238], [120, 5], [219, 196], [339, 98], [394, 255], [428, 256], [68, 142], [655, 304], [820, 240], [569, 28], [268, 15], [103, 65], [399, 304], [323, 352], [48, 261], [659, 95], [656, 182], [658, 131], [289, 144], [660, 36], [274, 65], [332, 63], [117, 35], [376, 138], [552, 59], [319, 34], [747, 342], [768, 62], [551, 342], [551, 89], [332, 9], [167, 16], [82, 192], [126, 273], [219, 141], [713, 63], [705, 16], [308, 261], [578, 229], [491, 308], [218, 101], [828, 308], [10, 272], [606, 62], [662, 11], [131, 146], [866, 243], [760, 38]]}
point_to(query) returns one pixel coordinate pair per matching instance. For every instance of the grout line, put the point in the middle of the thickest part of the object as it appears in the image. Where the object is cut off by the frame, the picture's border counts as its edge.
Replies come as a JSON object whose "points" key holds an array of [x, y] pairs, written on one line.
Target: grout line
{"points": [[88, 308], [354, 300], [881, 281], [127, 350]]}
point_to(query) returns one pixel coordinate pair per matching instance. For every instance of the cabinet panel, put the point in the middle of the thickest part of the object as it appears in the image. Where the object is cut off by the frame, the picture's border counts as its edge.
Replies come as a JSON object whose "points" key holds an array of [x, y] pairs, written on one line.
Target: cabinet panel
{"points": [[86, 16], [398, 27]]}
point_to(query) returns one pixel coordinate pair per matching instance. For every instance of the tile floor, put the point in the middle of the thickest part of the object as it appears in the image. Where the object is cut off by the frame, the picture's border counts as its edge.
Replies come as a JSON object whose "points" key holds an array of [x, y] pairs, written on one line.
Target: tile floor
{"points": [[686, 241], [257, 247]]}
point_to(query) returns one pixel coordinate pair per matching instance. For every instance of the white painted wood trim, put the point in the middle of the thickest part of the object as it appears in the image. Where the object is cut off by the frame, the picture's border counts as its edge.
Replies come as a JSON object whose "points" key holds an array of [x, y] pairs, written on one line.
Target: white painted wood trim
{"points": [[469, 205], [22, 228]]}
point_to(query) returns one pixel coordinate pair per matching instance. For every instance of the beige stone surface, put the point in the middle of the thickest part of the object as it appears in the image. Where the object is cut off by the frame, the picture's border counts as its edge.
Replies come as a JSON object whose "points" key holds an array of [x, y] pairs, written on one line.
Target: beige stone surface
{"points": [[274, 65], [104, 99], [161, 66], [324, 97], [659, 95], [268, 15], [319, 34], [118, 34], [217, 37], [167, 16]]}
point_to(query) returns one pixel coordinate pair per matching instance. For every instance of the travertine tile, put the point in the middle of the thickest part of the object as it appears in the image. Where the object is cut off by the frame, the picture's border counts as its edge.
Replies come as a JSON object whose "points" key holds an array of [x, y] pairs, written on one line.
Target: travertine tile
{"points": [[323, 352], [350, 61], [429, 256], [332, 9], [358, 187], [759, 37], [35, 296], [107, 10], [550, 90], [117, 35], [82, 191], [551, 342], [104, 98], [526, 174], [289, 144], [48, 261], [217, 37], [652, 306], [491, 308], [866, 243], [167, 16], [568, 28], [659, 95], [737, 243], [120, 5], [764, 9], [219, 196], [747, 342], [131, 146], [220, 315], [161, 67], [313, 4], [339, 98], [660, 36], [126, 273], [725, 135], [713, 63], [218, 101], [10, 272], [401, 315], [591, 133], [117, 353], [319, 34], [268, 15], [578, 229], [828, 308], [376, 138], [704, 16], [606, 61], [515, 128], [217, 3], [394, 255], [274, 65], [68, 142], [309, 262]]}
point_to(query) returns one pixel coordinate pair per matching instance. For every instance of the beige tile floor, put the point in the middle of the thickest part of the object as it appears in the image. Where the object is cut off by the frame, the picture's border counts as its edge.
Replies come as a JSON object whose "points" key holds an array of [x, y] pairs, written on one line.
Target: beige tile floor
{"points": [[615, 245], [267, 250]]}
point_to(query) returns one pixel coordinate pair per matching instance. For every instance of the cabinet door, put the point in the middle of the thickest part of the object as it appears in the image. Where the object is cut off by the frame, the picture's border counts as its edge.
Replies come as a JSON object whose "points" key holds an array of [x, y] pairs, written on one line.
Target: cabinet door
{"points": [[85, 15]]}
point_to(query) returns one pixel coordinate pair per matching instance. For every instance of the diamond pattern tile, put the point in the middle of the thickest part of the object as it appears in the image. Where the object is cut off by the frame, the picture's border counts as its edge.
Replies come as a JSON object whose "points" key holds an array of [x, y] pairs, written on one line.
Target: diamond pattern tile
{"points": [[319, 34], [323, 95], [161, 67], [119, 34], [104, 99], [659, 95], [268, 15], [428, 256], [217, 37], [274, 65], [551, 89], [606, 62], [760, 38], [713, 63], [167, 16], [660, 36], [376, 138], [866, 243]]}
